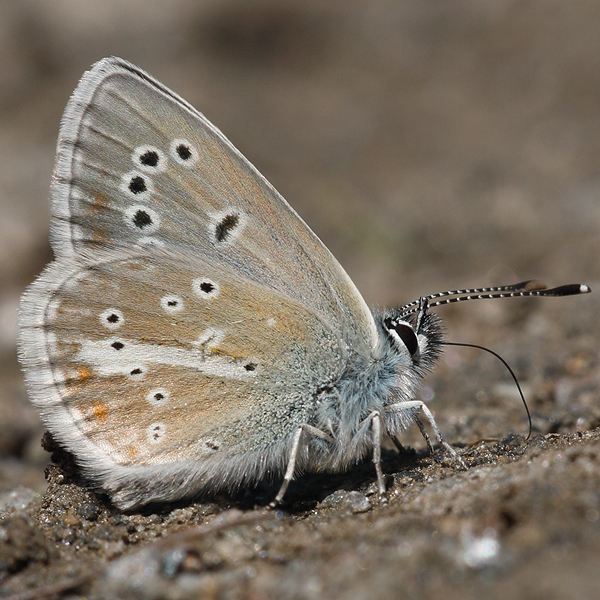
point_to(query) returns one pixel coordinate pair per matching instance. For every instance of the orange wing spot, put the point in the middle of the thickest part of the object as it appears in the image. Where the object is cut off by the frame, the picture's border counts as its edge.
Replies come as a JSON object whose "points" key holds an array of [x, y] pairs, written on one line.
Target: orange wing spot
{"points": [[78, 376], [100, 411], [216, 351], [84, 373]]}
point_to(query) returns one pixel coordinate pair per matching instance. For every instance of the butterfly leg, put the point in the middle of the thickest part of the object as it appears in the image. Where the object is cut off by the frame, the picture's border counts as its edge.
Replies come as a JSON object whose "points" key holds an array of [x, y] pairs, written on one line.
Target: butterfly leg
{"points": [[403, 406], [398, 445], [376, 425], [425, 435], [291, 466], [375, 421]]}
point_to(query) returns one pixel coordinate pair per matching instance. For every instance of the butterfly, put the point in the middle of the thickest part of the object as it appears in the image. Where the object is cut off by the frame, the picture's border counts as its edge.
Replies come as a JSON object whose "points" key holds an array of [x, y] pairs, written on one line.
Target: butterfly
{"points": [[193, 335]]}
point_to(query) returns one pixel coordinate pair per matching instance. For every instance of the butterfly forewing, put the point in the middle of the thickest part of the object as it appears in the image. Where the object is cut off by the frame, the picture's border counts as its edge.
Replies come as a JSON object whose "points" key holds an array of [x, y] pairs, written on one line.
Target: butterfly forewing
{"points": [[125, 178]]}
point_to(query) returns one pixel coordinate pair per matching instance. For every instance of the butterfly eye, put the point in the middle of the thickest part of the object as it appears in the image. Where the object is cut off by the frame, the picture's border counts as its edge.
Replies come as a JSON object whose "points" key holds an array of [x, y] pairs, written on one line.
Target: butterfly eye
{"points": [[404, 332]]}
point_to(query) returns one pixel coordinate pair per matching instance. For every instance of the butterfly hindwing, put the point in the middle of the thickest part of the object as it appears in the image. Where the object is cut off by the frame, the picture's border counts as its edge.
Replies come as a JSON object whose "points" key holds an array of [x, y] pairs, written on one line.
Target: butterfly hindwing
{"points": [[136, 348]]}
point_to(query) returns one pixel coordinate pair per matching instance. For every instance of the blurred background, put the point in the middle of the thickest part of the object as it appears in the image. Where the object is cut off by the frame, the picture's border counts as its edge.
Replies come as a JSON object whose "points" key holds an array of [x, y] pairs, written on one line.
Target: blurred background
{"points": [[431, 145]]}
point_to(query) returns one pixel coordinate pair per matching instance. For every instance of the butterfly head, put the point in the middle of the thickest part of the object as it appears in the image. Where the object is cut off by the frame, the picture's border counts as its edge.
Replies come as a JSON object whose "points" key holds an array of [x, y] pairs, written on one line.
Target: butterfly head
{"points": [[415, 335]]}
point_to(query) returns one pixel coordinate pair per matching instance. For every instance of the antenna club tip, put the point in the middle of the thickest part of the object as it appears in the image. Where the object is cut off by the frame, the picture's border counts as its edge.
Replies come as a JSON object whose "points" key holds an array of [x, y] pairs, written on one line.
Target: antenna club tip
{"points": [[584, 289]]}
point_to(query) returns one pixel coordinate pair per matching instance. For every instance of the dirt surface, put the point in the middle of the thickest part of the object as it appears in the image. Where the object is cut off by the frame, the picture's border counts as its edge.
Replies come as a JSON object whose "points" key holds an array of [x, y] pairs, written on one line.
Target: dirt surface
{"points": [[431, 145]]}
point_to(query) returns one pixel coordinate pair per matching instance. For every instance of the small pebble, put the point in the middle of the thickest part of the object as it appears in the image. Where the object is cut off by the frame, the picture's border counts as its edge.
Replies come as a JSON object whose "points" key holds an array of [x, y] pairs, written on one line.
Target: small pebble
{"points": [[357, 502]]}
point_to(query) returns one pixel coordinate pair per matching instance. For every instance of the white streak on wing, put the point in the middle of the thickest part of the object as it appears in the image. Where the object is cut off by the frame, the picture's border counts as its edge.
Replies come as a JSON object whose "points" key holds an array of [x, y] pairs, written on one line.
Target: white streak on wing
{"points": [[107, 362], [52, 340], [212, 335], [52, 309]]}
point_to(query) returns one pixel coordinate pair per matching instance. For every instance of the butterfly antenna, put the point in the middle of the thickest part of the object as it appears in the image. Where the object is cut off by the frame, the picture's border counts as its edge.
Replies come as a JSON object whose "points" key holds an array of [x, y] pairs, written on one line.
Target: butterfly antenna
{"points": [[524, 289], [512, 374]]}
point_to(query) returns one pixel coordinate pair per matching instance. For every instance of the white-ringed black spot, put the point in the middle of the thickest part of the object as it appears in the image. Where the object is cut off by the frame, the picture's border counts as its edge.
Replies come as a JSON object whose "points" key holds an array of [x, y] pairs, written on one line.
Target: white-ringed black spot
{"points": [[225, 227], [118, 345], [112, 318], [171, 304], [183, 152], [250, 366], [137, 185], [142, 219], [205, 288], [149, 159], [158, 396]]}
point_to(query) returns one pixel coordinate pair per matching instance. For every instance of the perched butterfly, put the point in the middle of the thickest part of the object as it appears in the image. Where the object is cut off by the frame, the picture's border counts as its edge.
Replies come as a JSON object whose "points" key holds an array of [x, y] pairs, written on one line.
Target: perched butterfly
{"points": [[193, 334]]}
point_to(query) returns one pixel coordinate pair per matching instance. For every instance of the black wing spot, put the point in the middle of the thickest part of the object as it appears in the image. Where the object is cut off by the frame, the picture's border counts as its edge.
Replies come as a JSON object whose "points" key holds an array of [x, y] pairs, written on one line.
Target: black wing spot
{"points": [[118, 345], [250, 367], [158, 396], [149, 159], [184, 152], [113, 318], [137, 185], [142, 219], [225, 227], [137, 371], [205, 288]]}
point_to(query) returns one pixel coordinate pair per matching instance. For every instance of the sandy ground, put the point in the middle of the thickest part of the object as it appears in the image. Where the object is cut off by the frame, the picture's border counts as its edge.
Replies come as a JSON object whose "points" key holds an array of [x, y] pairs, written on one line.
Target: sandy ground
{"points": [[431, 146]]}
